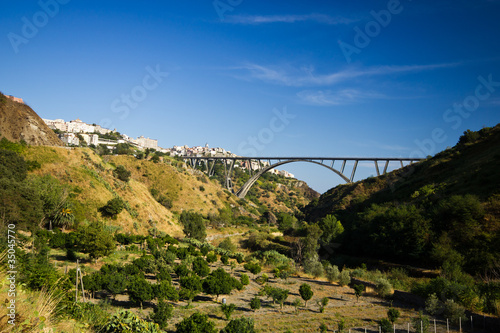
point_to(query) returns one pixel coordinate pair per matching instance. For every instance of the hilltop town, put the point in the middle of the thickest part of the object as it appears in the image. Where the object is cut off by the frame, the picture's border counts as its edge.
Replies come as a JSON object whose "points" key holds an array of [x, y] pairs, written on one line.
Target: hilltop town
{"points": [[76, 133]]}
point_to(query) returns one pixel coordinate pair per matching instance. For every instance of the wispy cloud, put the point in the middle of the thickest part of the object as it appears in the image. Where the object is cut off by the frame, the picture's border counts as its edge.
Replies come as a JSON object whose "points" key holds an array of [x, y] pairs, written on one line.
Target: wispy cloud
{"points": [[340, 97], [307, 77], [260, 19], [495, 102]]}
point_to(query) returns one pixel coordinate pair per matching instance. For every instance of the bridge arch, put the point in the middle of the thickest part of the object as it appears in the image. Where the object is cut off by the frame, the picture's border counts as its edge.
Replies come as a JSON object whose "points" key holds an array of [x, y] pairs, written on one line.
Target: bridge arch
{"points": [[242, 192]]}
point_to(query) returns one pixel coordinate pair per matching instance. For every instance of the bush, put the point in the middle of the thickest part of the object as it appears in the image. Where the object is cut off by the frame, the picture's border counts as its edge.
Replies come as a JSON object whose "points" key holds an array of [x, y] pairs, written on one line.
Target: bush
{"points": [[240, 325], [228, 245], [305, 292], [196, 323], [393, 315], [121, 173], [433, 305], [322, 304], [383, 287], [255, 303], [332, 273], [126, 321], [162, 313], [253, 268], [453, 311], [244, 279], [420, 323], [386, 325], [344, 278], [200, 267], [227, 310], [358, 290], [112, 208]]}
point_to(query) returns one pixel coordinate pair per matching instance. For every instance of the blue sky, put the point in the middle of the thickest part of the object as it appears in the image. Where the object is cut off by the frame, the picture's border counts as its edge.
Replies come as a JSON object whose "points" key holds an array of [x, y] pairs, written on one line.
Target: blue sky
{"points": [[315, 78]]}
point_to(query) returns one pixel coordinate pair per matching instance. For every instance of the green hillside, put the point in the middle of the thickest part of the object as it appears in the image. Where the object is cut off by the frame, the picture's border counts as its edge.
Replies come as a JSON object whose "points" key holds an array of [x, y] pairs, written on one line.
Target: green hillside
{"points": [[157, 191], [446, 208]]}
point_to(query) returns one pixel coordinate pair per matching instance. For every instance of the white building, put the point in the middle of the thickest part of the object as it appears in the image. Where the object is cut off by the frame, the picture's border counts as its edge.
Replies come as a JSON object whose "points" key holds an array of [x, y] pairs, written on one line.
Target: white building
{"points": [[91, 139], [69, 139]]}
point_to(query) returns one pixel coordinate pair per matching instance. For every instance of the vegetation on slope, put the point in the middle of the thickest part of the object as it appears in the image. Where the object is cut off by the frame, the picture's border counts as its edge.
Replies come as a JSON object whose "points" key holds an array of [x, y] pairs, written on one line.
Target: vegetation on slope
{"points": [[445, 208]]}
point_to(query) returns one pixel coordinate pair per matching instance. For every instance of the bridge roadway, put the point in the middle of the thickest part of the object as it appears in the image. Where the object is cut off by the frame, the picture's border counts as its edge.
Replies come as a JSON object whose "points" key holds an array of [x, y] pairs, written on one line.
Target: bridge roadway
{"points": [[263, 164]]}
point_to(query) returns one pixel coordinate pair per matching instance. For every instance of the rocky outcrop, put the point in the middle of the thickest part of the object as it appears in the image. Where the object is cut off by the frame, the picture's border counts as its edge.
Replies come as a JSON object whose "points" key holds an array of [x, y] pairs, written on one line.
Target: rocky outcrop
{"points": [[19, 122]]}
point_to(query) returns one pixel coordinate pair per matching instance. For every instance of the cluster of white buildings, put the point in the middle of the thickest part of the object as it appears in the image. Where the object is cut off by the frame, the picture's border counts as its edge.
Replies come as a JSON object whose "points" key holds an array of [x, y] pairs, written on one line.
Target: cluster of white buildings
{"points": [[74, 130], [75, 126], [197, 151]]}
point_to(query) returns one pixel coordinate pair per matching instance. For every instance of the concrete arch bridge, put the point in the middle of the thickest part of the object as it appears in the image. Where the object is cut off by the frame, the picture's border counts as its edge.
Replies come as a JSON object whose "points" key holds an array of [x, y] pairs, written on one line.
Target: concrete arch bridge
{"points": [[257, 166]]}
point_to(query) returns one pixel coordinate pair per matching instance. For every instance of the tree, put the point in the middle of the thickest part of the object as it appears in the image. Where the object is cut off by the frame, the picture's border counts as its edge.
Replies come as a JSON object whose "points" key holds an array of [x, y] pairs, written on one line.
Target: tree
{"points": [[386, 326], [211, 257], [162, 313], [420, 323], [393, 315], [123, 149], [228, 245], [139, 290], [296, 303], [164, 290], [112, 208], [255, 303], [54, 196], [219, 283], [196, 323], [322, 304], [191, 282], [332, 273], [227, 310], [194, 225], [331, 228], [115, 283], [240, 325], [12, 165], [94, 240], [224, 259], [253, 268], [279, 295], [311, 246], [244, 279], [121, 173], [200, 267], [344, 278], [306, 292], [181, 270], [358, 290], [383, 287]]}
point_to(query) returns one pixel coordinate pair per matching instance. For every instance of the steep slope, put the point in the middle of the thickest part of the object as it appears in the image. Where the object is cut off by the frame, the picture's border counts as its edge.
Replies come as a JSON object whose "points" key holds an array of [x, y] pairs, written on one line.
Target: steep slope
{"points": [[92, 183], [155, 194], [19, 122], [444, 208]]}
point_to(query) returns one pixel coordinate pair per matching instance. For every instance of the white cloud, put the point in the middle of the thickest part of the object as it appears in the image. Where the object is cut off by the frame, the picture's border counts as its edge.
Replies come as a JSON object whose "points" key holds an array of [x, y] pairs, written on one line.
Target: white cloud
{"points": [[340, 97], [306, 77], [260, 19]]}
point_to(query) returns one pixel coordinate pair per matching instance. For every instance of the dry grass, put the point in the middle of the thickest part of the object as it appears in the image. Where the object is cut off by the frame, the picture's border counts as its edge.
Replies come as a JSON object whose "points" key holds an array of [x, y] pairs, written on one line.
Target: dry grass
{"points": [[35, 311]]}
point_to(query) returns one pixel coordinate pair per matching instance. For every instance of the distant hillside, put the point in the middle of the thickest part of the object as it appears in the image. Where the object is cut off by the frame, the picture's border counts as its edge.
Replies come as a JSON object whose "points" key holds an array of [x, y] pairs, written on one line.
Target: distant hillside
{"points": [[448, 203], [158, 192], [19, 122]]}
